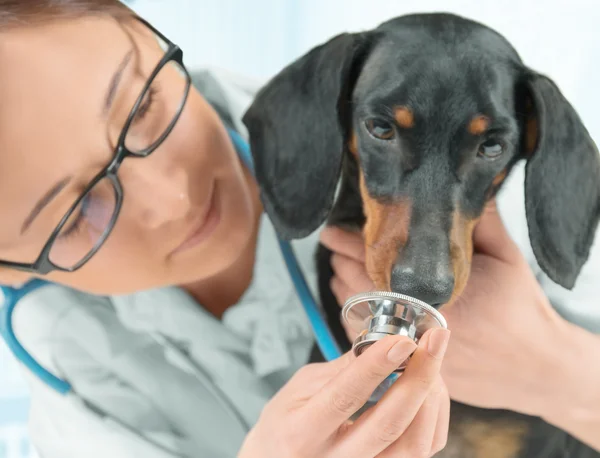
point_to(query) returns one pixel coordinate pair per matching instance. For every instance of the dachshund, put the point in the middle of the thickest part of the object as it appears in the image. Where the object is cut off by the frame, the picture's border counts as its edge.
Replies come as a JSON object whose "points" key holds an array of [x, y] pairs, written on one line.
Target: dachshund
{"points": [[405, 132]]}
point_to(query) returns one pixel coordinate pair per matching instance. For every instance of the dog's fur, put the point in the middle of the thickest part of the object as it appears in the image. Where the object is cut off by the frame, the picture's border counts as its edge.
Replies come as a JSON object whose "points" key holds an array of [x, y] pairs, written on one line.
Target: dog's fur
{"points": [[437, 90]]}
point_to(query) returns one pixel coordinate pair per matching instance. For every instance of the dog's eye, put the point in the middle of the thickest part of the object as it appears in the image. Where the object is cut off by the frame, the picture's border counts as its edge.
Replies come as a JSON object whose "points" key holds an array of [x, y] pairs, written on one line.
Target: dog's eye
{"points": [[380, 129], [490, 149]]}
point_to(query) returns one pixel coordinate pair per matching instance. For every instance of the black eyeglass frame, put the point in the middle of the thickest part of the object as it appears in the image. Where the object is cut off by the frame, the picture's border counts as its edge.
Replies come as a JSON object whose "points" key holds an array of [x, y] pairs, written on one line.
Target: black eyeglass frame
{"points": [[43, 265]]}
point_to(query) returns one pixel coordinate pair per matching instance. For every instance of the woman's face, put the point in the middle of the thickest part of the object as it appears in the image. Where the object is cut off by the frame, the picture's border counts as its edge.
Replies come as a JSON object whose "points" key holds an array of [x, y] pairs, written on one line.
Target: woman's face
{"points": [[66, 89]]}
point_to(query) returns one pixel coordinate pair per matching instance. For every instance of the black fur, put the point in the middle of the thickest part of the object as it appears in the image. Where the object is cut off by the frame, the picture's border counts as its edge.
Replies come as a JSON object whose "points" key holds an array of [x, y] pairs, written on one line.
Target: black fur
{"points": [[446, 69], [311, 98], [562, 186]]}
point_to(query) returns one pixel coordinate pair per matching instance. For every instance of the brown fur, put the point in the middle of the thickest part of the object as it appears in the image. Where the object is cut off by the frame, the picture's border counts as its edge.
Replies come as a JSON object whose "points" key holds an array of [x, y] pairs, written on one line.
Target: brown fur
{"points": [[531, 135], [499, 178], [473, 435], [478, 125], [385, 232], [404, 117], [492, 440], [461, 251], [353, 144]]}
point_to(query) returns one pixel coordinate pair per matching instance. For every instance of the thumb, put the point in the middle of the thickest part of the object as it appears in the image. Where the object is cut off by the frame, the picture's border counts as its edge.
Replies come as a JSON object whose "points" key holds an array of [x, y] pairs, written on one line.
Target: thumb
{"points": [[490, 236]]}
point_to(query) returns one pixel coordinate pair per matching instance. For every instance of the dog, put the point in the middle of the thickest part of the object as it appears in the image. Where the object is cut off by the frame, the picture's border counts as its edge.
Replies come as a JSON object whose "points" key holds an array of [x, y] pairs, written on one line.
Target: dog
{"points": [[405, 132]]}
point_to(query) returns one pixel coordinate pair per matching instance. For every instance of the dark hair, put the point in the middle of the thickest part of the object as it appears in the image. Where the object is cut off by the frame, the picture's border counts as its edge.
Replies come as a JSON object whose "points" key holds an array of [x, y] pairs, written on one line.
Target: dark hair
{"points": [[29, 12]]}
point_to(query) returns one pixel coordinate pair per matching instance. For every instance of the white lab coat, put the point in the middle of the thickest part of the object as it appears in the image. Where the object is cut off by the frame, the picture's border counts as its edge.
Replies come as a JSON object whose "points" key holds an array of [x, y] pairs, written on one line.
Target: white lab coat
{"points": [[159, 362]]}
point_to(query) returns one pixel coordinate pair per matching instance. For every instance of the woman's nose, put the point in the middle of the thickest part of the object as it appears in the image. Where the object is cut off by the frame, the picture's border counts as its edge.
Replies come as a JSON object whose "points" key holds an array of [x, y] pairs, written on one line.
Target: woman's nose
{"points": [[156, 194]]}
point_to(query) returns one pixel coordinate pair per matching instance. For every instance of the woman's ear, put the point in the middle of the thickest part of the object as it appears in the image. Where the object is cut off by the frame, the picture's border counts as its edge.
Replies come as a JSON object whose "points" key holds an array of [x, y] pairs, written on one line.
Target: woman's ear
{"points": [[562, 182], [298, 124]]}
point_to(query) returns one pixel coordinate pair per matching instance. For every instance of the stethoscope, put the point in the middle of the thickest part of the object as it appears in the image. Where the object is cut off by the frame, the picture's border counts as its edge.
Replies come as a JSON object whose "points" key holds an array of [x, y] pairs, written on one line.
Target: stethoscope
{"points": [[373, 315]]}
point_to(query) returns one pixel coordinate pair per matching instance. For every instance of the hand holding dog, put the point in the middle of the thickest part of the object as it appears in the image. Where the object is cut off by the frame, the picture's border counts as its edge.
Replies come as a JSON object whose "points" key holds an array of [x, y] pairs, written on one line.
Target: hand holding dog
{"points": [[507, 340], [309, 416], [510, 342]]}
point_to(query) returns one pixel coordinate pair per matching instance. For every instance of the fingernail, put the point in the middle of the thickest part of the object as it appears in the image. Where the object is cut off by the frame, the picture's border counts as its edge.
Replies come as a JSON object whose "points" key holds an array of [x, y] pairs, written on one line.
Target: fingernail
{"points": [[438, 342], [401, 350]]}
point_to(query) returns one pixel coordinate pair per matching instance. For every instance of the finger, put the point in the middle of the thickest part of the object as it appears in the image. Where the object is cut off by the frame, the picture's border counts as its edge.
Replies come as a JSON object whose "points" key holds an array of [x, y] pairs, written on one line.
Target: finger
{"points": [[440, 437], [417, 440], [306, 382], [312, 377], [342, 292], [347, 392], [333, 367], [491, 237], [386, 422], [349, 244], [352, 272]]}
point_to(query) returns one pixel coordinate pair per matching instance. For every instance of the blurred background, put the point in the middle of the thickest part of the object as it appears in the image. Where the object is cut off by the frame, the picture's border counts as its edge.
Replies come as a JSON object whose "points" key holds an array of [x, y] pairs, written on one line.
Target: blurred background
{"points": [[256, 38]]}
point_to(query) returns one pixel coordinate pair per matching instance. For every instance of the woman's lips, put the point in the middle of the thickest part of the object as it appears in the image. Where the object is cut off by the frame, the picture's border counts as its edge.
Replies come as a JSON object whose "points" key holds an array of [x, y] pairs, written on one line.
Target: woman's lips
{"points": [[204, 226]]}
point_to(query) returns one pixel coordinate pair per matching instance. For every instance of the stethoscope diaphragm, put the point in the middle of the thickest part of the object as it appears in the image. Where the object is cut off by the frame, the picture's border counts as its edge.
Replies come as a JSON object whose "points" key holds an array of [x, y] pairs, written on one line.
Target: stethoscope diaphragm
{"points": [[376, 314]]}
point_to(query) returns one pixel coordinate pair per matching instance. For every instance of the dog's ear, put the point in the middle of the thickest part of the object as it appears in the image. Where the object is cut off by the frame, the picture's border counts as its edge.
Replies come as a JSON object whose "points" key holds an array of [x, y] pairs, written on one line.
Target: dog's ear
{"points": [[298, 124], [562, 182]]}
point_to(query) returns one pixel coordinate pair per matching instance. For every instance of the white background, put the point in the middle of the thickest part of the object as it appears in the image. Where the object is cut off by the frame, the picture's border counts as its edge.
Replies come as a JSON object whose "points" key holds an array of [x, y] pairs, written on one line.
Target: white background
{"points": [[258, 37]]}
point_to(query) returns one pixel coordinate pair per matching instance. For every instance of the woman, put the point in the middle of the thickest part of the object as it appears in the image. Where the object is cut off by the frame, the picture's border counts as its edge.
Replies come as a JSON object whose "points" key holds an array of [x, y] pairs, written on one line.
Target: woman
{"points": [[124, 190]]}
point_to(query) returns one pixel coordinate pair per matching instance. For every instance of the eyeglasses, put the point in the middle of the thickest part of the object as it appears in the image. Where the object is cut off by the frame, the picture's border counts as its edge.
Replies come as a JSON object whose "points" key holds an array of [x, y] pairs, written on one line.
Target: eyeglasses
{"points": [[90, 220]]}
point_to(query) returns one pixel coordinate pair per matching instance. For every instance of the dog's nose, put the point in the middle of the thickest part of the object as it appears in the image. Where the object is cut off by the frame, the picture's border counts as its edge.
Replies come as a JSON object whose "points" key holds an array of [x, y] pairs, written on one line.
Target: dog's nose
{"points": [[433, 284]]}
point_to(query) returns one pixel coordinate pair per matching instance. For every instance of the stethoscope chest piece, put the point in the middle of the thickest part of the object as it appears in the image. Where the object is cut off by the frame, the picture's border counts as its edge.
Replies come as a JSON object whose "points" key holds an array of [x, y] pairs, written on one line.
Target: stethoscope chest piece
{"points": [[377, 314]]}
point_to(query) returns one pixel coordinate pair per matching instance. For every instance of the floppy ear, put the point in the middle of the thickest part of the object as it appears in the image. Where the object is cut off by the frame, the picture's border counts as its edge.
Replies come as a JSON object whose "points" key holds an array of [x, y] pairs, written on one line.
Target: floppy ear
{"points": [[562, 183], [298, 124]]}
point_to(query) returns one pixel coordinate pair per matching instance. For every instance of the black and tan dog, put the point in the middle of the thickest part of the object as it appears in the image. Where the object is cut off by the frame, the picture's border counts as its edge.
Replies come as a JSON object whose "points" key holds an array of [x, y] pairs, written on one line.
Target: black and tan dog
{"points": [[423, 118]]}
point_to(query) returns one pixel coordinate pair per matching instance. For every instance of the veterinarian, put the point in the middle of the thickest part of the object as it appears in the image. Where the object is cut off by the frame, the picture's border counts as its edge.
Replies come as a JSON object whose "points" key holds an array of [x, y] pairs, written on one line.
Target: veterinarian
{"points": [[166, 320]]}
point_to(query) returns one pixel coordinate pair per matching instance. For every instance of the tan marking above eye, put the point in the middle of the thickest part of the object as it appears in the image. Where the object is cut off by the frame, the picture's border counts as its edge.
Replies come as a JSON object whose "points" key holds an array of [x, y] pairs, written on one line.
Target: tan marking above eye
{"points": [[478, 125], [404, 117]]}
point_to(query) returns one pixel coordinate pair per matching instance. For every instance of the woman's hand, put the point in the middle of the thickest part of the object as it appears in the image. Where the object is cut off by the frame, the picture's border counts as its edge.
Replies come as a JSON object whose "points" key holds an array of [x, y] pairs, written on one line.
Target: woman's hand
{"points": [[348, 263], [309, 416], [509, 344]]}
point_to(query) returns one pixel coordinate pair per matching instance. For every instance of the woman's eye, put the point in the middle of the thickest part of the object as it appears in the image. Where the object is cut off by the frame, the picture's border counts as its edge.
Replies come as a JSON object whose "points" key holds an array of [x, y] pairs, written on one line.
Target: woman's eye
{"points": [[380, 129], [146, 104], [76, 221], [490, 149]]}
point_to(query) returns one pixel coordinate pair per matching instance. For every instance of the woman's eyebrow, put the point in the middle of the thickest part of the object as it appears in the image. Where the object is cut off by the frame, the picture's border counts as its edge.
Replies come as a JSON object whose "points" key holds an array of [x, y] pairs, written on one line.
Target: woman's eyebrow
{"points": [[59, 186], [44, 200], [114, 83]]}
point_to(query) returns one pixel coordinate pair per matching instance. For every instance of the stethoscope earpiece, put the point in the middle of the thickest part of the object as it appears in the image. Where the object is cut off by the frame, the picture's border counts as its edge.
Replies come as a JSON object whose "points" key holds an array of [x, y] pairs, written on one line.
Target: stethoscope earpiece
{"points": [[377, 314]]}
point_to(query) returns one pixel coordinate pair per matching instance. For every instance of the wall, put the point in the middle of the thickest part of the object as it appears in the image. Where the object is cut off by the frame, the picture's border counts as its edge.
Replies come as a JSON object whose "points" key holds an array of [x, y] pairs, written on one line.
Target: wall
{"points": [[259, 37]]}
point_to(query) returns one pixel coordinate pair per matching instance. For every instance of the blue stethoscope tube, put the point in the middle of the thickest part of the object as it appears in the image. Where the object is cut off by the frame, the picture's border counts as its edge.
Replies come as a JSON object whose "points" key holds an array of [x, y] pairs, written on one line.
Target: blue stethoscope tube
{"points": [[11, 299], [325, 340]]}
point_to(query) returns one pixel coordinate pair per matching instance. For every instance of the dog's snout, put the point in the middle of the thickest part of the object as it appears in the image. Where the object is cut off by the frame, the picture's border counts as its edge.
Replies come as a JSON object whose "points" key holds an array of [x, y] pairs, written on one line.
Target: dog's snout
{"points": [[431, 285]]}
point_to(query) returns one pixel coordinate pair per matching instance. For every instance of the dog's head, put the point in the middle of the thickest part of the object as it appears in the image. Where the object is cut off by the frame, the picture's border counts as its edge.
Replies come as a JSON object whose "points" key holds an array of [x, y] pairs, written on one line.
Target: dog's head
{"points": [[434, 109]]}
